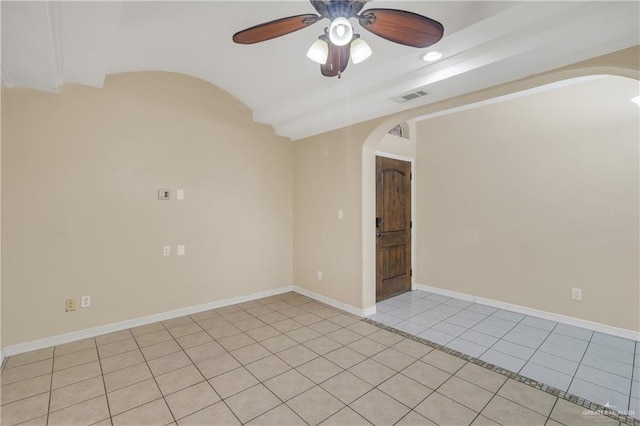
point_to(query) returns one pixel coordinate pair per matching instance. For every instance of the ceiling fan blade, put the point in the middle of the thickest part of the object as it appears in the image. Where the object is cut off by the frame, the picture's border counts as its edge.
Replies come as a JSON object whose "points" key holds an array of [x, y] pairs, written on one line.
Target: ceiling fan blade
{"points": [[336, 61], [273, 29], [402, 27]]}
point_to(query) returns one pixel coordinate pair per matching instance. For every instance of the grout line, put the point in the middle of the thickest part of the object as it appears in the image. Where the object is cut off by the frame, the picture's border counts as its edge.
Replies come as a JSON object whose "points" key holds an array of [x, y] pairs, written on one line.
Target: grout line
{"points": [[53, 360], [580, 362], [104, 385], [633, 366]]}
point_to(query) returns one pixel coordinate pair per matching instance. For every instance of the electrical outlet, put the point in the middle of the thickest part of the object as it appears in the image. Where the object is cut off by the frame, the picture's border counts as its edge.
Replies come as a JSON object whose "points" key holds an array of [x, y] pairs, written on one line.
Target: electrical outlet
{"points": [[320, 275], [576, 294], [85, 302], [166, 250], [164, 194], [70, 305]]}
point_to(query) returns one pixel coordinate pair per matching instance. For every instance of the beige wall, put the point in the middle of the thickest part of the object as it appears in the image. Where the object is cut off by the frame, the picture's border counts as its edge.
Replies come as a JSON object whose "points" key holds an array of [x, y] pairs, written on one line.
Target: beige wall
{"points": [[534, 196], [81, 170]]}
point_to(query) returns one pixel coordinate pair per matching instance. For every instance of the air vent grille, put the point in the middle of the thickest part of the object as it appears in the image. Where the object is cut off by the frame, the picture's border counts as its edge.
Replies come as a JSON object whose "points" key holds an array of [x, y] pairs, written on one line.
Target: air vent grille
{"points": [[410, 96]]}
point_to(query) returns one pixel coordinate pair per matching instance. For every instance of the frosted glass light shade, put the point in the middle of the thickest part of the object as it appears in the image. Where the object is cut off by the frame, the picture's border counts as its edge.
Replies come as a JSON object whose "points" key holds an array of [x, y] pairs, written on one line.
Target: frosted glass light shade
{"points": [[340, 31], [360, 50], [318, 52], [636, 100]]}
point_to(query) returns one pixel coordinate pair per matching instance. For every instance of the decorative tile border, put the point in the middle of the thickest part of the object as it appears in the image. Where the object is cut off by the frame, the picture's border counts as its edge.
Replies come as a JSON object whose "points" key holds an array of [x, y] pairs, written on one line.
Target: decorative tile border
{"points": [[586, 404]]}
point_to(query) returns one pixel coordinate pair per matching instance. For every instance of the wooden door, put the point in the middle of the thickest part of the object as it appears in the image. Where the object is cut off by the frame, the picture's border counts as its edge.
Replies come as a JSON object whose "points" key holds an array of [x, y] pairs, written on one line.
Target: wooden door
{"points": [[393, 227]]}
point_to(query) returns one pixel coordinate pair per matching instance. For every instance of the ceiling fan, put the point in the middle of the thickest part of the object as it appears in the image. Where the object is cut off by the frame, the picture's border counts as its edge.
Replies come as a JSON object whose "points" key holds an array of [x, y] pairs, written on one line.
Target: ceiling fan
{"points": [[339, 42]]}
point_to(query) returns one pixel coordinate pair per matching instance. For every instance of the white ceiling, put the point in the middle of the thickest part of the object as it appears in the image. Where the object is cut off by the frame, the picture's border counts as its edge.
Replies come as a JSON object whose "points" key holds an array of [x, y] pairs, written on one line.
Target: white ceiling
{"points": [[46, 44]]}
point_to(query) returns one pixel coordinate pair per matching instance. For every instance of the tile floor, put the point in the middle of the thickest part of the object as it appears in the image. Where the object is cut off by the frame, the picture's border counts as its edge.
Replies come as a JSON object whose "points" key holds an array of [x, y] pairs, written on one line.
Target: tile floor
{"points": [[598, 367], [281, 360]]}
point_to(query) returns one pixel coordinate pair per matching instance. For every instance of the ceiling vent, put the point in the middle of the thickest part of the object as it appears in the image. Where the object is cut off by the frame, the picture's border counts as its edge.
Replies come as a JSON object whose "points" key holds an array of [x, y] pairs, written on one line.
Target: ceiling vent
{"points": [[410, 96]]}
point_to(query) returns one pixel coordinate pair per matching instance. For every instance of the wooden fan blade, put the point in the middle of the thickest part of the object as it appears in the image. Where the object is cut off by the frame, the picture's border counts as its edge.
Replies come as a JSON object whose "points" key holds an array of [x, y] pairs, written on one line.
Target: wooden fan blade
{"points": [[336, 61], [402, 27], [274, 29]]}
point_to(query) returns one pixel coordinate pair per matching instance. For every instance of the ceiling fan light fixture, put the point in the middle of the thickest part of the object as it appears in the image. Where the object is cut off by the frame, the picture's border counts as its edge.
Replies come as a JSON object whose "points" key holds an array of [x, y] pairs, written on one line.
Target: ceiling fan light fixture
{"points": [[340, 31], [319, 51], [360, 50]]}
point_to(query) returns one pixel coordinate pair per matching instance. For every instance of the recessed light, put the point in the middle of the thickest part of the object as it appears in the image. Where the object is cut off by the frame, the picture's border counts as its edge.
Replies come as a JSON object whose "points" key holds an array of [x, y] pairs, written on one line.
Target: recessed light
{"points": [[636, 100], [432, 56]]}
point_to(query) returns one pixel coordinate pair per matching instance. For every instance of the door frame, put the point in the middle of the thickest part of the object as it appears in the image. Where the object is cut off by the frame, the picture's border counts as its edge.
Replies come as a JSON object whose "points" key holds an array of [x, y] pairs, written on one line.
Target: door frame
{"points": [[413, 210]]}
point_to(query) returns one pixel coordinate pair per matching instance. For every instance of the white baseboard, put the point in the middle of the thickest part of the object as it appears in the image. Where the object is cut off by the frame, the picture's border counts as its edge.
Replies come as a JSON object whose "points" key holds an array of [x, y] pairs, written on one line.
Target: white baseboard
{"points": [[577, 322], [163, 316], [124, 325], [332, 302]]}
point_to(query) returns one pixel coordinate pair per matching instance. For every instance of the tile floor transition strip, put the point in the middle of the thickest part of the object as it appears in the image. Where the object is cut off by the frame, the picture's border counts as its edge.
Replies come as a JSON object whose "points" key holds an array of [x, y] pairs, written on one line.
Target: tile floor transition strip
{"points": [[586, 404]]}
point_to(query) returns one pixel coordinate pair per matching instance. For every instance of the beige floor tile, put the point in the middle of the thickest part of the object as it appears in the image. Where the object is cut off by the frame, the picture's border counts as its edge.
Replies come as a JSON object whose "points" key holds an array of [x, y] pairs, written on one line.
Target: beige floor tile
{"points": [[286, 326], [367, 347], [25, 409], [120, 361], [133, 396], [252, 402], [325, 327], [217, 413], [75, 393], [233, 382], [414, 419], [179, 379], [192, 399], [506, 412], [76, 374], [248, 354], [169, 363], [199, 316], [443, 411], [363, 328], [346, 387], [307, 319], [262, 333], [485, 421], [235, 317], [466, 393], [345, 357], [185, 330], [75, 358], [213, 322], [385, 337], [178, 322], [303, 334], [152, 413], [278, 343], [236, 341], [147, 329], [279, 416], [426, 374], [344, 336], [217, 365], [412, 348], [574, 415], [322, 345], [25, 388], [315, 405], [205, 351], [272, 317], [249, 324], [195, 339], [80, 345], [221, 331], [153, 338], [287, 385], [372, 372], [394, 359], [319, 370], [28, 358], [84, 413], [405, 390], [113, 337], [344, 320], [126, 377], [117, 347], [42, 421], [481, 376], [297, 355], [26, 371], [379, 409], [345, 417], [443, 361], [527, 396], [267, 368], [256, 311]]}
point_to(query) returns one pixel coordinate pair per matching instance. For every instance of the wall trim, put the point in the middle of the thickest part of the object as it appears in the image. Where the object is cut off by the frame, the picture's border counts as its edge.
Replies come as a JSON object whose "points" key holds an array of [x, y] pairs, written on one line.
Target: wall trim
{"points": [[332, 302], [395, 156], [577, 322], [163, 316]]}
